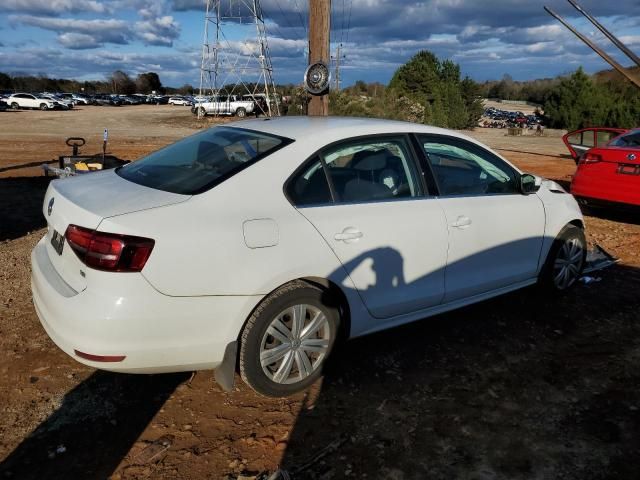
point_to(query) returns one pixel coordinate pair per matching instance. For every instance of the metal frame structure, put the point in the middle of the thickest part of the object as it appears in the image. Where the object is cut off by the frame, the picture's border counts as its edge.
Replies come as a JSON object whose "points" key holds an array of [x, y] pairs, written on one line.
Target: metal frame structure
{"points": [[632, 77], [242, 66]]}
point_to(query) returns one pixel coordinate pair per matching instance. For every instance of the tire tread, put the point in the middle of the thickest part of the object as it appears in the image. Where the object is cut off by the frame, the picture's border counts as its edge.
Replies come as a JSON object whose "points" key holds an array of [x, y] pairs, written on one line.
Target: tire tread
{"points": [[253, 319]]}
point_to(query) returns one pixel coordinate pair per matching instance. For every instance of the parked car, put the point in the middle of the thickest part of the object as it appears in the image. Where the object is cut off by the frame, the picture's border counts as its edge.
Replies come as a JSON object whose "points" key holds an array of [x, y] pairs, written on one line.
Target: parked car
{"points": [[107, 100], [65, 103], [179, 101], [263, 243], [581, 141], [161, 99], [28, 100], [224, 105], [610, 173], [80, 99], [141, 97]]}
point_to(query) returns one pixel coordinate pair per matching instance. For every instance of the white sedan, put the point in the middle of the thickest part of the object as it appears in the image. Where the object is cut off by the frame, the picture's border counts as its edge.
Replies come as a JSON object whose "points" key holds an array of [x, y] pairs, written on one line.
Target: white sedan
{"points": [[179, 101], [262, 242]]}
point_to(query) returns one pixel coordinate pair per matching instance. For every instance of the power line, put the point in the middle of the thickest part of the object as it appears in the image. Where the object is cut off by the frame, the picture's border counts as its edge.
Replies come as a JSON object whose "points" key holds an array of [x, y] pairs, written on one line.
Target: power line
{"points": [[349, 21]]}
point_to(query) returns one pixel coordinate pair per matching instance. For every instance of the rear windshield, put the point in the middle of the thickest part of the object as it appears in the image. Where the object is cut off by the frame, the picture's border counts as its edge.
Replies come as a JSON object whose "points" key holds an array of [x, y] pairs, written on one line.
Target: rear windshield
{"points": [[630, 140], [201, 161]]}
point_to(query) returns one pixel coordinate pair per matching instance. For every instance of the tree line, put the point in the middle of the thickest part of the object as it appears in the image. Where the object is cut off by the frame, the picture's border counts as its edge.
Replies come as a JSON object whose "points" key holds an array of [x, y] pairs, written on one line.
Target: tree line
{"points": [[424, 90], [577, 100], [118, 82]]}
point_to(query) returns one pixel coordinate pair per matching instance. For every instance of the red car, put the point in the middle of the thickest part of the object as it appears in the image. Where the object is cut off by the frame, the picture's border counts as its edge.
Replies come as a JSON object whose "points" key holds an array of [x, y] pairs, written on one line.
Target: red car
{"points": [[611, 172]]}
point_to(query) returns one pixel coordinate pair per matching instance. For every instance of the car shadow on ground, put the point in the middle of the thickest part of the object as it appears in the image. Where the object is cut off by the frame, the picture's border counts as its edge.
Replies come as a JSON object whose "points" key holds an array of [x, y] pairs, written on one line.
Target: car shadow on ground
{"points": [[522, 386], [21, 205], [93, 429], [623, 214]]}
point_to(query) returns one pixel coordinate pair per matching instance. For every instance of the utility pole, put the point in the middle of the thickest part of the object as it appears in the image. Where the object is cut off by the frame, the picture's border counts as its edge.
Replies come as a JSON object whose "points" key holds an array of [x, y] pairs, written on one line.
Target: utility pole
{"points": [[319, 15], [338, 56]]}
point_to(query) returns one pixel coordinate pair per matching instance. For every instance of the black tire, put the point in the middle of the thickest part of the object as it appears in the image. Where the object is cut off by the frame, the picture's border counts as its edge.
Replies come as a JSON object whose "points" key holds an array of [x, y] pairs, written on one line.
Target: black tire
{"points": [[550, 271], [241, 112], [43, 106], [15, 105], [201, 112], [255, 333]]}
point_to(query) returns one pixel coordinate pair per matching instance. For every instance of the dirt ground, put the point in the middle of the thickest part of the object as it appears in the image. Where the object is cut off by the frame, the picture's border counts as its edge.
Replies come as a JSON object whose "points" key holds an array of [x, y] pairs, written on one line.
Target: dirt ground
{"points": [[519, 387]]}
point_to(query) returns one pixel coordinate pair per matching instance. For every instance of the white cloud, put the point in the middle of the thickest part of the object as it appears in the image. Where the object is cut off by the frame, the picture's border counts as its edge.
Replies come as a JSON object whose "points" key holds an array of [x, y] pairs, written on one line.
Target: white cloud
{"points": [[156, 27], [79, 34], [53, 7]]}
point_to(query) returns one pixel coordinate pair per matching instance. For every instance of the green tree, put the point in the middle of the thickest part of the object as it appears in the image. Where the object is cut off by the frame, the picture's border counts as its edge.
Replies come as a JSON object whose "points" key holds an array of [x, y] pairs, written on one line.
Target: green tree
{"points": [[148, 82], [5, 82], [452, 102], [577, 103]]}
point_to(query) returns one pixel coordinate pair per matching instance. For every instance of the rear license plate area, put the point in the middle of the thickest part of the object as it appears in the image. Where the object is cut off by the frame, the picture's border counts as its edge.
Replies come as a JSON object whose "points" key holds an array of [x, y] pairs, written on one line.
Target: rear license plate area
{"points": [[629, 169], [57, 242]]}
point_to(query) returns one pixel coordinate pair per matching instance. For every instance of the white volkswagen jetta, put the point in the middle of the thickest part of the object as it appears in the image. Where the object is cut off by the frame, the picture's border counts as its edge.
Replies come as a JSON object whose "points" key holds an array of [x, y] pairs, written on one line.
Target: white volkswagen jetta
{"points": [[260, 243]]}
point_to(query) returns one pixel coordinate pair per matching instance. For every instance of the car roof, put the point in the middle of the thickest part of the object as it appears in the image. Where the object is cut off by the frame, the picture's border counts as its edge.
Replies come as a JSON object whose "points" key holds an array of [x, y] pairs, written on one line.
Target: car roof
{"points": [[298, 127], [326, 130]]}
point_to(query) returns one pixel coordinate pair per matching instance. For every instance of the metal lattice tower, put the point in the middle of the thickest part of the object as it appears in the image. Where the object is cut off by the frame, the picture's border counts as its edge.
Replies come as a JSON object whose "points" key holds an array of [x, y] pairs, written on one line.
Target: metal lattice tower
{"points": [[236, 67]]}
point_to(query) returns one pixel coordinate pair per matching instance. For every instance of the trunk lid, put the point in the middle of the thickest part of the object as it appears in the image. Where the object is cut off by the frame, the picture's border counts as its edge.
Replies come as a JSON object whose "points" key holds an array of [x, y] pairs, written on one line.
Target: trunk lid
{"points": [[622, 155], [85, 201]]}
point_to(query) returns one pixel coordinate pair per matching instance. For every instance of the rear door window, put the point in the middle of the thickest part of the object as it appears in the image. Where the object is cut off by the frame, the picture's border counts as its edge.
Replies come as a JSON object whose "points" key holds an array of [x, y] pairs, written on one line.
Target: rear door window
{"points": [[199, 162], [372, 169], [604, 137]]}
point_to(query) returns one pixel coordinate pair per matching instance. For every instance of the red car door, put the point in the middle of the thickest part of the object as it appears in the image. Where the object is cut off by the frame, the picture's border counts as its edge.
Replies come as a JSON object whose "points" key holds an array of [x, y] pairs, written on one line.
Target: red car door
{"points": [[580, 141]]}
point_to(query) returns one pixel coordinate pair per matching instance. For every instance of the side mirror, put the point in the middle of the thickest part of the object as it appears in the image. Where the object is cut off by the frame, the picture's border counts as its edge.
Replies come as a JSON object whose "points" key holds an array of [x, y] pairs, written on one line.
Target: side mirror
{"points": [[528, 184]]}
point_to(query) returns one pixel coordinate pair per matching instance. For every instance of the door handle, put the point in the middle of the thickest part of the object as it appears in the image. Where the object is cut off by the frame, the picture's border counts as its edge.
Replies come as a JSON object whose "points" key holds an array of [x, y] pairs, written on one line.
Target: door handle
{"points": [[348, 235], [462, 222]]}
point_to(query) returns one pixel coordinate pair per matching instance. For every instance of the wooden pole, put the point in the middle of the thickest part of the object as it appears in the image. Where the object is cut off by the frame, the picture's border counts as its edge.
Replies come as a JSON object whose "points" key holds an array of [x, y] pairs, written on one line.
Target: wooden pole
{"points": [[319, 15]]}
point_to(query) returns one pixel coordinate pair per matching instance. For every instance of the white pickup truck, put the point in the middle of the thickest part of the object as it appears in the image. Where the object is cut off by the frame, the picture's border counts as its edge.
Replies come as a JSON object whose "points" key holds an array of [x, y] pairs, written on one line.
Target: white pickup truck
{"points": [[224, 105]]}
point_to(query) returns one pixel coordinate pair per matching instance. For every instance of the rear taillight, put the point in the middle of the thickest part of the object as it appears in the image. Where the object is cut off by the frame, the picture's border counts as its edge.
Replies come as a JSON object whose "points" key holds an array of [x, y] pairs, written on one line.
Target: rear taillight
{"points": [[109, 251], [590, 158]]}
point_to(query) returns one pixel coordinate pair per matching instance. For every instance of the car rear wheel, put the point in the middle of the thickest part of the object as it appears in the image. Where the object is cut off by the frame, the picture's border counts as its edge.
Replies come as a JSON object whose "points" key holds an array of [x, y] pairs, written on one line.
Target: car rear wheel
{"points": [[241, 112], [566, 260], [287, 340]]}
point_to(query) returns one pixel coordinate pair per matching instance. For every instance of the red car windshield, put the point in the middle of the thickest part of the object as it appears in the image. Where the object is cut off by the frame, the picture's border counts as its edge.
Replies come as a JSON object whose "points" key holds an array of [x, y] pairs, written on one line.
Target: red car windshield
{"points": [[629, 140]]}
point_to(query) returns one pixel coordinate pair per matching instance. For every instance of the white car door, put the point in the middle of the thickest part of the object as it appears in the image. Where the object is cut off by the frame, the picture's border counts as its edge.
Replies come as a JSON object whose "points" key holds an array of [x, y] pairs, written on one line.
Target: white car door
{"points": [[31, 101], [390, 237], [495, 232]]}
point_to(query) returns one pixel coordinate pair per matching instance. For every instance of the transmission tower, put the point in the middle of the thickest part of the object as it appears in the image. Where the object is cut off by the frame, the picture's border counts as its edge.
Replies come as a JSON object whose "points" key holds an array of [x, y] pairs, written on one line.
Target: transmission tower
{"points": [[237, 67]]}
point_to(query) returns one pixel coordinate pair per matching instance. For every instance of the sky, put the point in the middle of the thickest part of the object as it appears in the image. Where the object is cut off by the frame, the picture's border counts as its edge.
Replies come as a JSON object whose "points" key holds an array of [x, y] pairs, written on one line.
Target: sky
{"points": [[89, 39]]}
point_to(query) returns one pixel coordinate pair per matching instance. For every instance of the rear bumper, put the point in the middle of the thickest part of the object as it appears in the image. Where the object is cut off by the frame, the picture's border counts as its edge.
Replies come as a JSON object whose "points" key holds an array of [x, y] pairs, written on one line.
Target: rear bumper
{"points": [[609, 188], [126, 316]]}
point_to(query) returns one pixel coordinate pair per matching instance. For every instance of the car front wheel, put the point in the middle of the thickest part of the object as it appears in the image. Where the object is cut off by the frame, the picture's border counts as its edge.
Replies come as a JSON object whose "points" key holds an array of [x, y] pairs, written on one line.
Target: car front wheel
{"points": [[566, 260], [43, 106], [287, 340], [15, 105]]}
